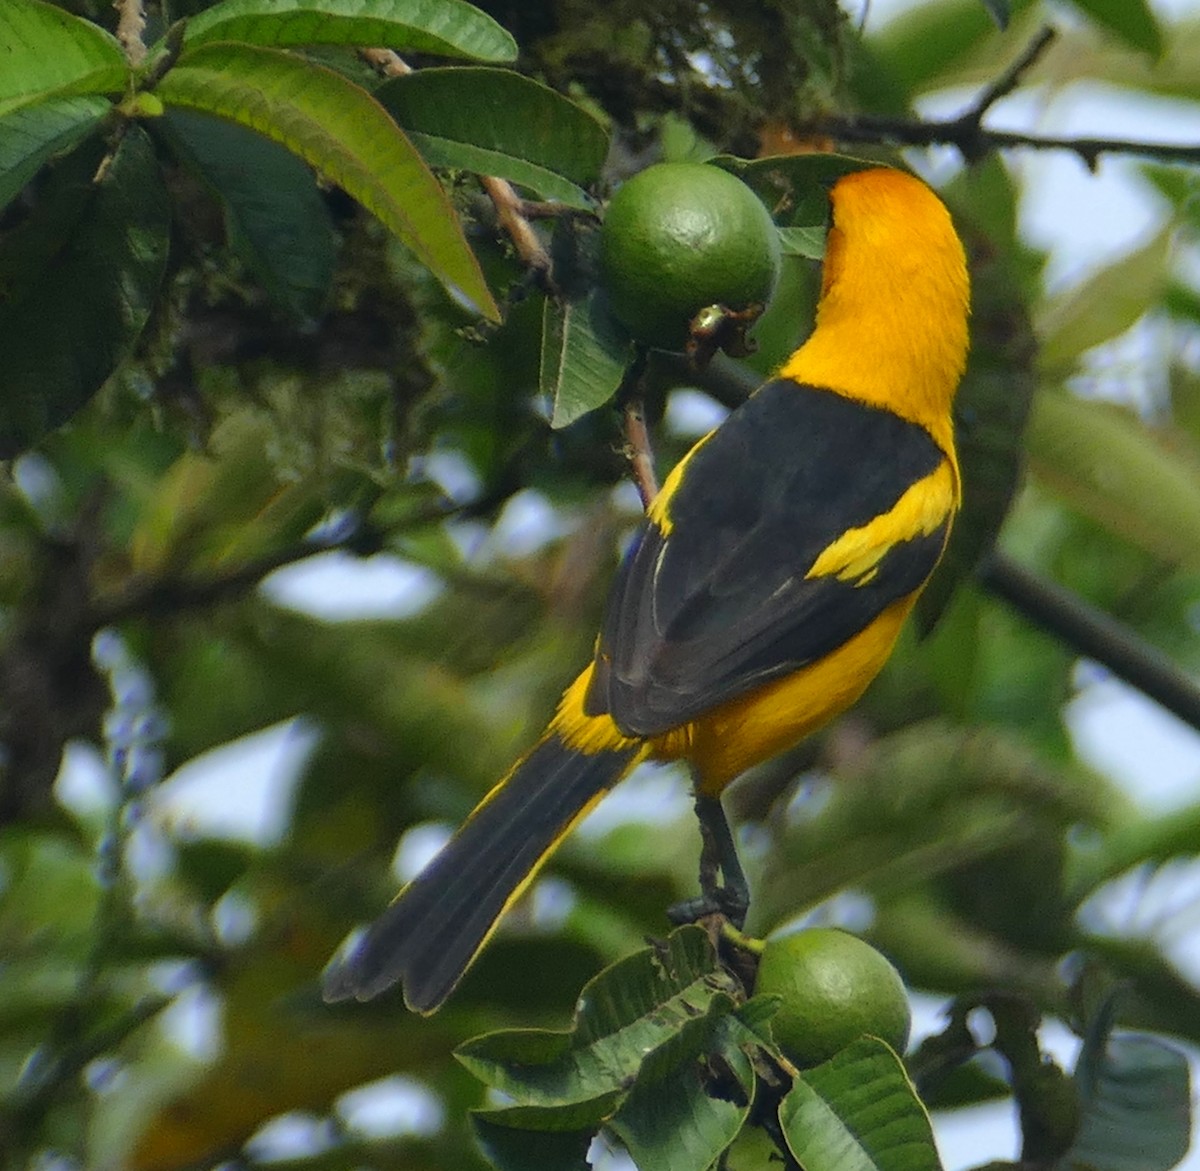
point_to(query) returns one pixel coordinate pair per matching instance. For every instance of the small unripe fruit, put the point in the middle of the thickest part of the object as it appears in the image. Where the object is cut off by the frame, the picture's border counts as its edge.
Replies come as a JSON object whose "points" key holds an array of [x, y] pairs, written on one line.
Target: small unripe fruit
{"points": [[834, 988], [679, 237]]}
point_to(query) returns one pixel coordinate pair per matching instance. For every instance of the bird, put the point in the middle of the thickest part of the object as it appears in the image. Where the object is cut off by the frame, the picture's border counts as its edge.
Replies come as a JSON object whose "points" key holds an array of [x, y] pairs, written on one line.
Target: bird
{"points": [[762, 592]]}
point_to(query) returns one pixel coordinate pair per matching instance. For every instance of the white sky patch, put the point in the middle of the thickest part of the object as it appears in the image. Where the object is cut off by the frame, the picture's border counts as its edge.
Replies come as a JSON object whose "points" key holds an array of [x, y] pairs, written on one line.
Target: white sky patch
{"points": [[393, 1107], [338, 586], [241, 791]]}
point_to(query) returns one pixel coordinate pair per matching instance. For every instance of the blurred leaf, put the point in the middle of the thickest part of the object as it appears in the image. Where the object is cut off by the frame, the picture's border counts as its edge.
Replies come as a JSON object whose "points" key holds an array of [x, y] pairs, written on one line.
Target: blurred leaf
{"points": [[496, 122], [858, 1112], [50, 53], [1102, 460], [106, 232], [33, 135], [449, 28], [1132, 20], [1104, 306], [921, 802], [338, 129], [1136, 1107], [993, 402], [276, 216], [999, 12], [584, 355]]}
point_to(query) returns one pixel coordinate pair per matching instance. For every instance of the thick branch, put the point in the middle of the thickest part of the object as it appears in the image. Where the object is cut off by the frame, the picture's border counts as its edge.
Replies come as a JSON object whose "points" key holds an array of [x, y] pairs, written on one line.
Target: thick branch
{"points": [[1093, 633]]}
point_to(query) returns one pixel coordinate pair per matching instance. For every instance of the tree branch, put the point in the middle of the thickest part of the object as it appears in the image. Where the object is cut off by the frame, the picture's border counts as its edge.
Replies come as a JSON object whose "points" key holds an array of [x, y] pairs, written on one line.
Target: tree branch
{"points": [[131, 30], [1093, 633], [968, 134]]}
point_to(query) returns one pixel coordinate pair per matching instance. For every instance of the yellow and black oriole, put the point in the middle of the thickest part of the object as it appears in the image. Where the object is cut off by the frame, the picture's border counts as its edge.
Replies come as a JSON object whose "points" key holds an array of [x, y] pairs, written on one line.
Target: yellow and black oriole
{"points": [[762, 593]]}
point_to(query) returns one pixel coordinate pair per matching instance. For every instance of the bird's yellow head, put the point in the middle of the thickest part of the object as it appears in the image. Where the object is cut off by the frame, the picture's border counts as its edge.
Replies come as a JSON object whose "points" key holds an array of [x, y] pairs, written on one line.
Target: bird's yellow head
{"points": [[892, 319]]}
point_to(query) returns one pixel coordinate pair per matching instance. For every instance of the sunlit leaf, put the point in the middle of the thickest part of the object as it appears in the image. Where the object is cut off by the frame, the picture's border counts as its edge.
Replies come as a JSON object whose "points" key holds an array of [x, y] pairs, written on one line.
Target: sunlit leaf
{"points": [[449, 28], [33, 135], [50, 53], [342, 132], [858, 1112]]}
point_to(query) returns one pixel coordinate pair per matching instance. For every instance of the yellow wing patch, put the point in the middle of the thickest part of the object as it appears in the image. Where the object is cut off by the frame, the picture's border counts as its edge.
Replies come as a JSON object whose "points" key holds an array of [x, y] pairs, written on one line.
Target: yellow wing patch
{"points": [[856, 554]]}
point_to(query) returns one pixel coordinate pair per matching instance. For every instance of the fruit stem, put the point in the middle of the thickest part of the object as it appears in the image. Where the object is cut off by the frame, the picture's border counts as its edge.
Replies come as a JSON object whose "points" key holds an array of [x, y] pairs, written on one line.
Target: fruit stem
{"points": [[740, 939]]}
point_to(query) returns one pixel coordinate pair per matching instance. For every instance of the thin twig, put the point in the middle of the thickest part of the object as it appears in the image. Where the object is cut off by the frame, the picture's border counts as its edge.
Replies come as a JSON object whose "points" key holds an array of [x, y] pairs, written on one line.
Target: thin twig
{"points": [[968, 134], [511, 213], [387, 61], [641, 457], [131, 30], [1011, 77], [975, 141], [1093, 633], [511, 210]]}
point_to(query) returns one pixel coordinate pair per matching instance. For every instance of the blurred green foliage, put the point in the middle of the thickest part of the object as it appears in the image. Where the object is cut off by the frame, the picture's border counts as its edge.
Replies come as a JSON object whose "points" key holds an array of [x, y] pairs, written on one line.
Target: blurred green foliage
{"points": [[263, 394]]}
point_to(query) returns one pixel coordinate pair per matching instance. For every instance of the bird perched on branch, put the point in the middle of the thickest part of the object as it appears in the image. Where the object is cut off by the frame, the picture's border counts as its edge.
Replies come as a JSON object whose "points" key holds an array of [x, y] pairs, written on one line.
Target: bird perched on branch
{"points": [[761, 594]]}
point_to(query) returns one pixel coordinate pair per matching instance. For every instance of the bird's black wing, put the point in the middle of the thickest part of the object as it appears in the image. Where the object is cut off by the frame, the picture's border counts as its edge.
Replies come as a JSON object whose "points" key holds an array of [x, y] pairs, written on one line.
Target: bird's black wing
{"points": [[714, 596]]}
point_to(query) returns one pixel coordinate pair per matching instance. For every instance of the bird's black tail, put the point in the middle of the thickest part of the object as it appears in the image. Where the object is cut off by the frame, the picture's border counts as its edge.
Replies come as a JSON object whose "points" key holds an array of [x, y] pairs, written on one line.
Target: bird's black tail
{"points": [[435, 927]]}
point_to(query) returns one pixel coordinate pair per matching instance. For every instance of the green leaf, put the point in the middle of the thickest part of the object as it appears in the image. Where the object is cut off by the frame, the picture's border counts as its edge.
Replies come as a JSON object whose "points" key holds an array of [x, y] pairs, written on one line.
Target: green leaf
{"points": [[510, 1149], [1136, 1108], [340, 130], [102, 232], [275, 213], [1105, 462], [806, 242], [794, 187], [624, 1014], [32, 135], [447, 28], [684, 1118], [1132, 21], [496, 122], [858, 1112], [584, 356], [1104, 306], [999, 12], [50, 53]]}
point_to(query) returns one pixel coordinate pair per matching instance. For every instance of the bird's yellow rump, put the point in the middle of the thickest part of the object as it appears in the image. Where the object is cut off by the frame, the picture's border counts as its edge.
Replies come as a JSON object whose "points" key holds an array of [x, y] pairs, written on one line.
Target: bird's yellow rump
{"points": [[762, 593]]}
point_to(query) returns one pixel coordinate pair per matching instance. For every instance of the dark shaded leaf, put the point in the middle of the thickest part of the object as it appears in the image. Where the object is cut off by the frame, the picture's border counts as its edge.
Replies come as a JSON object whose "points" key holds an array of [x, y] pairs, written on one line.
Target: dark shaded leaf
{"points": [[33, 135], [104, 232], [510, 1149], [275, 213], [49, 52], [998, 10], [342, 132], [584, 355], [1136, 1106], [794, 187], [449, 28], [496, 122]]}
